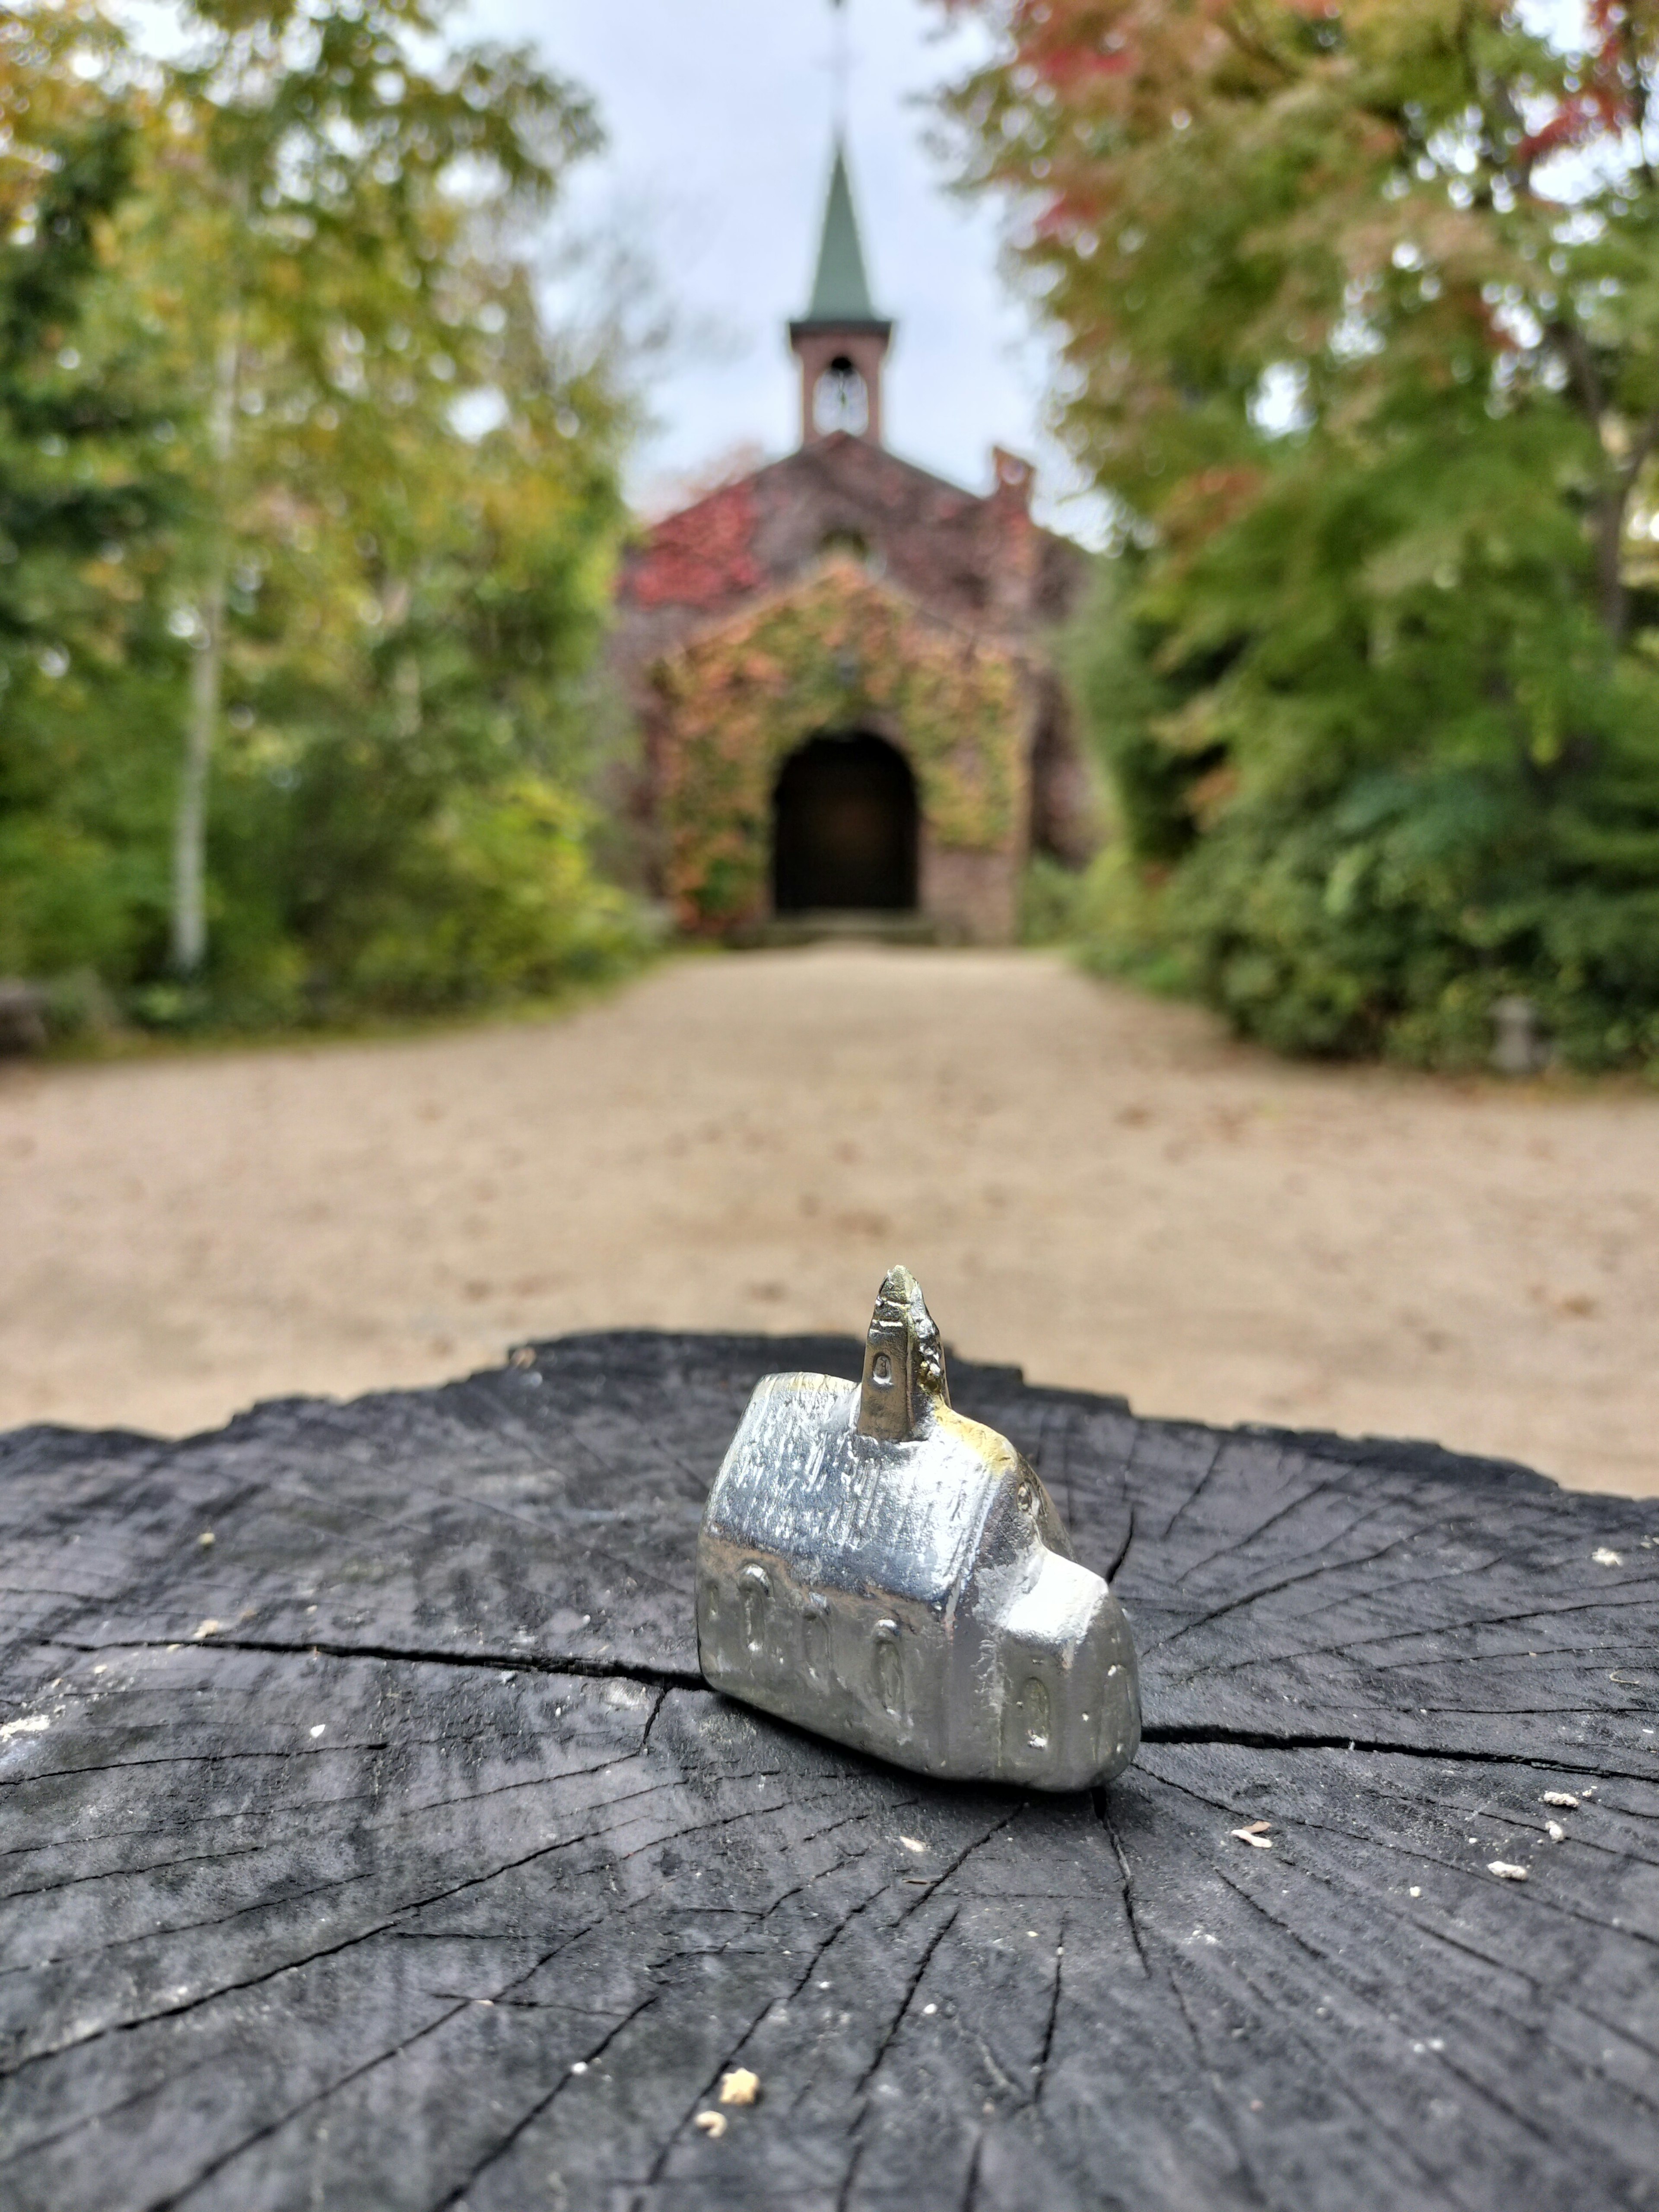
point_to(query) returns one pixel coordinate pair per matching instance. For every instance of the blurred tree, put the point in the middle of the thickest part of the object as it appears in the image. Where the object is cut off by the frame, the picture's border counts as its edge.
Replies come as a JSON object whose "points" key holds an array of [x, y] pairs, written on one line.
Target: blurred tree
{"points": [[65, 148], [1359, 310], [324, 165], [75, 498], [373, 502]]}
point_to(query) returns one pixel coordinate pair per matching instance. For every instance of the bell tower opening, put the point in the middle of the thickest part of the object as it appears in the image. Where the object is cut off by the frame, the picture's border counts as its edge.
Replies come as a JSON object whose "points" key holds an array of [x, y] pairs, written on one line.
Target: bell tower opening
{"points": [[844, 829], [841, 400]]}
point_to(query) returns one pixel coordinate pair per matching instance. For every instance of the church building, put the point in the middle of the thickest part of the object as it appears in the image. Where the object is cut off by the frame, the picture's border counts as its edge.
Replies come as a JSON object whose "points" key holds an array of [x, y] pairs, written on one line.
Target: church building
{"points": [[841, 670]]}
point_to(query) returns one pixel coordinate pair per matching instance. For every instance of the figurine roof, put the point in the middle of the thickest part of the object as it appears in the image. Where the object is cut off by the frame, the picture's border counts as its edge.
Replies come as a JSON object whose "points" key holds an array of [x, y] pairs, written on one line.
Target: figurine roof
{"points": [[798, 1461]]}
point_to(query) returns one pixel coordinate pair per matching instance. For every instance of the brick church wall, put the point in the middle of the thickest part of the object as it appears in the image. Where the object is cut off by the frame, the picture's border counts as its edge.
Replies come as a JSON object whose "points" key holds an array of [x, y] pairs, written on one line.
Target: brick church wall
{"points": [[974, 567]]}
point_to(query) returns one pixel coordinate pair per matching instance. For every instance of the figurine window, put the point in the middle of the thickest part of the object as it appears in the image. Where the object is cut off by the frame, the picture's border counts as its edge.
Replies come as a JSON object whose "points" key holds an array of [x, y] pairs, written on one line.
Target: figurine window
{"points": [[1035, 1707], [889, 1667], [754, 1591], [841, 399]]}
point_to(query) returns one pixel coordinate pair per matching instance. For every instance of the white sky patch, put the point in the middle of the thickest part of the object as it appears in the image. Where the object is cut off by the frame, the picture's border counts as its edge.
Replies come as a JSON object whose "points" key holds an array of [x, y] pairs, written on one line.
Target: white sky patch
{"points": [[1278, 406], [477, 413], [708, 201]]}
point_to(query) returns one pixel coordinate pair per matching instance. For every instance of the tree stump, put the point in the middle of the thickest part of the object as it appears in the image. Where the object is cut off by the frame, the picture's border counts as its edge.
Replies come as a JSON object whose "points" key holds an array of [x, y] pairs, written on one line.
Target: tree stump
{"points": [[368, 1838]]}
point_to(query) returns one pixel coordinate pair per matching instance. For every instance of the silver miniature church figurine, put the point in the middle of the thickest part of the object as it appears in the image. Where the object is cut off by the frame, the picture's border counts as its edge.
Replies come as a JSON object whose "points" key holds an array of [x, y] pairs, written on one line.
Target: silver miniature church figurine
{"points": [[876, 1568]]}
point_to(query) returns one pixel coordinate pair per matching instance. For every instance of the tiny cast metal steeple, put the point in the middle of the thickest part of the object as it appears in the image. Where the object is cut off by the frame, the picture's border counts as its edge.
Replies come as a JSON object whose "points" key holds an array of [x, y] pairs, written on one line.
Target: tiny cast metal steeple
{"points": [[841, 342]]}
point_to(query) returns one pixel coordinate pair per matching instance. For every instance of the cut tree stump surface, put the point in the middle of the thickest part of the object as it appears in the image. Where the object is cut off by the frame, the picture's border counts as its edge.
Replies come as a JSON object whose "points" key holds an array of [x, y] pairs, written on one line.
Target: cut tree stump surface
{"points": [[387, 1850]]}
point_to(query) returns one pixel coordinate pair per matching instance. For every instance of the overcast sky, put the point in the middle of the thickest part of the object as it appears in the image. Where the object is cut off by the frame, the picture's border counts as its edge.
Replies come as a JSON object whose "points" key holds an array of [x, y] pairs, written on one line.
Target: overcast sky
{"points": [[719, 114]]}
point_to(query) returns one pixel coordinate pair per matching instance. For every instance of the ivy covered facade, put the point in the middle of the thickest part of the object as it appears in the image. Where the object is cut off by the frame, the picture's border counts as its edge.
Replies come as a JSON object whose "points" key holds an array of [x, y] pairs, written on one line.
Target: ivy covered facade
{"points": [[839, 663]]}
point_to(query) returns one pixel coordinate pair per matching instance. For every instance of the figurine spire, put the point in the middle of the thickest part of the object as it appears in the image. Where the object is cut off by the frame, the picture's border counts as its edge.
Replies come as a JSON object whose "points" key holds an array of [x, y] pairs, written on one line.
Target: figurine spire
{"points": [[903, 1362]]}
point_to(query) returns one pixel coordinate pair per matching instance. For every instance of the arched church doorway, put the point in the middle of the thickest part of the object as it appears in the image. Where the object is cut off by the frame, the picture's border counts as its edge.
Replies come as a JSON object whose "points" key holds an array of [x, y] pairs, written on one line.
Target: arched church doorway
{"points": [[844, 821]]}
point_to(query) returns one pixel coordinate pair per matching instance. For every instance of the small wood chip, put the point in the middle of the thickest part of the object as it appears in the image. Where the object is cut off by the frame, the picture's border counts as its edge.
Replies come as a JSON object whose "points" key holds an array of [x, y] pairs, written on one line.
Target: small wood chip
{"points": [[1504, 1871], [1561, 1797], [1604, 1558], [206, 1628], [913, 1843], [712, 2123], [739, 2086], [1253, 1836], [1555, 1832]]}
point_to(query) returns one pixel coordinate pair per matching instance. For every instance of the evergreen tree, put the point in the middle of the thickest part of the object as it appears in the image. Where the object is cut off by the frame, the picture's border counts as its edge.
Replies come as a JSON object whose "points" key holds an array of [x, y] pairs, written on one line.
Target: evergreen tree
{"points": [[77, 502]]}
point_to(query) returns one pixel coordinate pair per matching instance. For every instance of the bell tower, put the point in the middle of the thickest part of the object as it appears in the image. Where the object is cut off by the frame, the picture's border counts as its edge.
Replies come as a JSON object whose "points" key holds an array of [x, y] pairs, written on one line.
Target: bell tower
{"points": [[841, 342]]}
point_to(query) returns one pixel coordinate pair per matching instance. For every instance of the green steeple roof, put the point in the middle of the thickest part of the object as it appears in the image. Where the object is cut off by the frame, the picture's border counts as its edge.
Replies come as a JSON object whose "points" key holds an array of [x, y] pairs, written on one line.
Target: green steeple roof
{"points": [[841, 290]]}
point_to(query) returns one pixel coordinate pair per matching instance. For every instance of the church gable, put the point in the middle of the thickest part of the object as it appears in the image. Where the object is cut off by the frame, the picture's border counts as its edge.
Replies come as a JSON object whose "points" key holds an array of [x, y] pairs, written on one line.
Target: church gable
{"points": [[701, 559], [972, 559]]}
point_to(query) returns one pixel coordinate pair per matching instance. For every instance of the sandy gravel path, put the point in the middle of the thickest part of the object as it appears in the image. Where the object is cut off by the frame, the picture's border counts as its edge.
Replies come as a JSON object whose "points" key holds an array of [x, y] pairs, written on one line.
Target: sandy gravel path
{"points": [[1100, 1188]]}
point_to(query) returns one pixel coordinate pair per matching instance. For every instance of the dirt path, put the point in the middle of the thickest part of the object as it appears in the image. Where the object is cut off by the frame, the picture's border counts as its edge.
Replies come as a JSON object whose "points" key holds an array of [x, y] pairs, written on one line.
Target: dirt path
{"points": [[1096, 1187]]}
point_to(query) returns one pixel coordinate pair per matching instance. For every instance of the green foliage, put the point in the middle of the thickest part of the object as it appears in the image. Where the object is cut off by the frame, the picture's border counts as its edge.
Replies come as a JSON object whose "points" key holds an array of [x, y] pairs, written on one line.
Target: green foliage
{"points": [[1361, 329], [77, 507], [1349, 858], [490, 896], [1051, 902], [252, 310]]}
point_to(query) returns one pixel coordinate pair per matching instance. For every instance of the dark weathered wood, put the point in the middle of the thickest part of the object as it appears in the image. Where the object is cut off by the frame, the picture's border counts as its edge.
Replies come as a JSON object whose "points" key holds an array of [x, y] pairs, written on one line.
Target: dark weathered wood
{"points": [[327, 1905]]}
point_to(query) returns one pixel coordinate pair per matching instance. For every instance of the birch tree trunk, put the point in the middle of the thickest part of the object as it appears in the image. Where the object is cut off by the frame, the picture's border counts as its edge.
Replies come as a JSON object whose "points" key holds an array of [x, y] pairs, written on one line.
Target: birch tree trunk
{"points": [[206, 679]]}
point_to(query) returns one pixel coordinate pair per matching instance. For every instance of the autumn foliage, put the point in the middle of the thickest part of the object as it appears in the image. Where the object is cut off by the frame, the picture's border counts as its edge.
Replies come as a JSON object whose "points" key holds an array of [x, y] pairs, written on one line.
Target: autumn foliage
{"points": [[1356, 304]]}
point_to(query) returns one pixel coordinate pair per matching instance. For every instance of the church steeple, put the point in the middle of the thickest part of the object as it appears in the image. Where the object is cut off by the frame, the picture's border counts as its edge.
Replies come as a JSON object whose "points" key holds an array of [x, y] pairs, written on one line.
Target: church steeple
{"points": [[841, 290], [841, 342]]}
